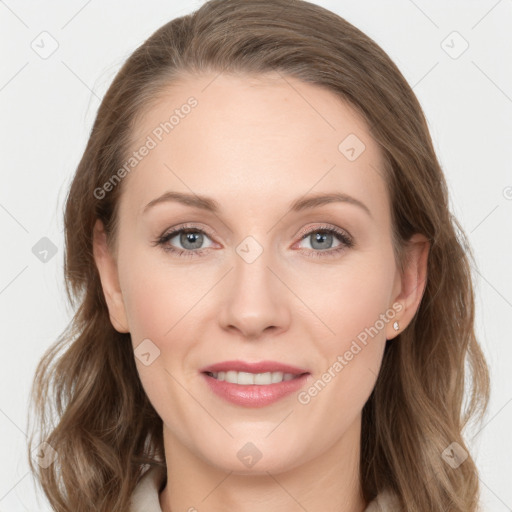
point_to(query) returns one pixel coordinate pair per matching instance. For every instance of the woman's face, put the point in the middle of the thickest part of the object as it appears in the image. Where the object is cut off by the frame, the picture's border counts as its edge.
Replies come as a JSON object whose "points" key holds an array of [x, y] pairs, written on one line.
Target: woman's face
{"points": [[314, 286]]}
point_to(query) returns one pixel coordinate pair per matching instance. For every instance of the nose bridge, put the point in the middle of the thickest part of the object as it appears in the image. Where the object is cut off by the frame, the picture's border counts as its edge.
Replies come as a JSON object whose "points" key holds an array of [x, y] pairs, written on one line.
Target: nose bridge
{"points": [[256, 297], [252, 261]]}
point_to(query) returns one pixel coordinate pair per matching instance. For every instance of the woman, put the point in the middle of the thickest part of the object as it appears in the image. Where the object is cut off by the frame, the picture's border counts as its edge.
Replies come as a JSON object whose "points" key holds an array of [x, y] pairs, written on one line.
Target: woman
{"points": [[246, 371]]}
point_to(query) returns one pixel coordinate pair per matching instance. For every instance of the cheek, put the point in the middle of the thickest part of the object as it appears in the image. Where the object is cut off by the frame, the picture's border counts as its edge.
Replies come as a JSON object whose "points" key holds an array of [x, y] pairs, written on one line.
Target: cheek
{"points": [[147, 310], [355, 315], [349, 300], [155, 294], [156, 307], [160, 302]]}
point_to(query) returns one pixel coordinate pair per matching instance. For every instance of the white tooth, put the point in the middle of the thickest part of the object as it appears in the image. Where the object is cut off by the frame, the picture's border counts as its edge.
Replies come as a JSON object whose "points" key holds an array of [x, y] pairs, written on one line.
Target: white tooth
{"points": [[263, 378], [245, 378], [277, 376], [232, 376]]}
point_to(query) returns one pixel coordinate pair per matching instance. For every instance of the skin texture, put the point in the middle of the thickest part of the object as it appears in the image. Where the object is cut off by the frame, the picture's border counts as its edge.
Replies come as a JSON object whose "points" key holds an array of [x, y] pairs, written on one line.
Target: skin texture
{"points": [[255, 144]]}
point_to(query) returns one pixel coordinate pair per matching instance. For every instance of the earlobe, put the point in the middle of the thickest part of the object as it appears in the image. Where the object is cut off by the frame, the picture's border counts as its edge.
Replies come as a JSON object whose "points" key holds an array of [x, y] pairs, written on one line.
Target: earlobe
{"points": [[107, 269], [412, 283]]}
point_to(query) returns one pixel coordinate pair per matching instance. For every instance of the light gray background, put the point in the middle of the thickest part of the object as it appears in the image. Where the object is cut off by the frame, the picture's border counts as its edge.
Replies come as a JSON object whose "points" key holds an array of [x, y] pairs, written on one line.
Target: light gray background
{"points": [[47, 109]]}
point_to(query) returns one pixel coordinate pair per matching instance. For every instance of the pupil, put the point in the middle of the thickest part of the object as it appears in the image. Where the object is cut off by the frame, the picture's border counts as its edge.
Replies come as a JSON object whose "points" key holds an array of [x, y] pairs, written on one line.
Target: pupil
{"points": [[195, 239], [320, 237]]}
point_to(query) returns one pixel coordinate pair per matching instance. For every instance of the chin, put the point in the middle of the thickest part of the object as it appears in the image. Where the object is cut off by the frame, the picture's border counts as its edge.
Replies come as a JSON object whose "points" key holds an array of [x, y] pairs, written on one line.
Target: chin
{"points": [[255, 458]]}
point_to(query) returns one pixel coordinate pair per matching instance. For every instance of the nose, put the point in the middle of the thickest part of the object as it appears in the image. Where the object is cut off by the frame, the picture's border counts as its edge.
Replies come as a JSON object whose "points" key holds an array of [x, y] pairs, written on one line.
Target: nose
{"points": [[256, 301]]}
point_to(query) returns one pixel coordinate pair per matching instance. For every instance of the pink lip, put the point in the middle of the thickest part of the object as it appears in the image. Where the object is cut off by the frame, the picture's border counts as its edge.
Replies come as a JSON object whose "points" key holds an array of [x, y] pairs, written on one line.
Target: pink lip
{"points": [[261, 367], [254, 395]]}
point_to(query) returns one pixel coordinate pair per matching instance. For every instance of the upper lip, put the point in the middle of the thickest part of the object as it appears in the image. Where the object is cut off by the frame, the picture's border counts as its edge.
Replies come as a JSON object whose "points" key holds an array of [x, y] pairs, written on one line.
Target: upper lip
{"points": [[260, 367]]}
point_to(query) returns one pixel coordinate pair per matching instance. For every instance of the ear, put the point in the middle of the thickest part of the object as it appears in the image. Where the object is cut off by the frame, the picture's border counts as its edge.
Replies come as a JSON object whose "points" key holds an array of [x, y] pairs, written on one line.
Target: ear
{"points": [[107, 268], [410, 285]]}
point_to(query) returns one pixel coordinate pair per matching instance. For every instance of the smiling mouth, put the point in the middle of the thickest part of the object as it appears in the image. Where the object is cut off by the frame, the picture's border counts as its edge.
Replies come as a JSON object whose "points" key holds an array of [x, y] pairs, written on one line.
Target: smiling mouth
{"points": [[248, 379]]}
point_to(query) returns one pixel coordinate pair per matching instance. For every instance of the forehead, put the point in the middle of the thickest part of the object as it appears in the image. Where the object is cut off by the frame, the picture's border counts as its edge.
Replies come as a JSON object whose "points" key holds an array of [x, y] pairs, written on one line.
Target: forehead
{"points": [[243, 139]]}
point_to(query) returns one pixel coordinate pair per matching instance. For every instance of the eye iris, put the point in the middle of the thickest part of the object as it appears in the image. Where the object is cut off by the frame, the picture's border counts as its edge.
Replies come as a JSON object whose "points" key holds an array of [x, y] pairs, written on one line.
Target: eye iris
{"points": [[193, 237], [321, 237]]}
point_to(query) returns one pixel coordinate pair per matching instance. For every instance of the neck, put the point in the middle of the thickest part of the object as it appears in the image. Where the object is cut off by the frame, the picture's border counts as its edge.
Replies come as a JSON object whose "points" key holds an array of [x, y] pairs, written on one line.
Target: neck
{"points": [[328, 482]]}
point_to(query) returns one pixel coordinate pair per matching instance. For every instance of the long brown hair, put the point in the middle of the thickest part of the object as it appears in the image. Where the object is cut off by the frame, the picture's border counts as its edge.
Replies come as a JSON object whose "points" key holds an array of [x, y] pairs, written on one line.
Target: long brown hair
{"points": [[89, 401]]}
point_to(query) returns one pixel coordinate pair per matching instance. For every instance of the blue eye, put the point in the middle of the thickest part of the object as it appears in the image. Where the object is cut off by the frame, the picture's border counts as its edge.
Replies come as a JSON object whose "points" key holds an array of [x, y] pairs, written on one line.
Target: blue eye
{"points": [[323, 239], [191, 240]]}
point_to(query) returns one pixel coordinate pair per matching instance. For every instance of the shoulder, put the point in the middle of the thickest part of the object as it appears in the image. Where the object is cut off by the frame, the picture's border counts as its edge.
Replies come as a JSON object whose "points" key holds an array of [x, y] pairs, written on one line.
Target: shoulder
{"points": [[146, 495]]}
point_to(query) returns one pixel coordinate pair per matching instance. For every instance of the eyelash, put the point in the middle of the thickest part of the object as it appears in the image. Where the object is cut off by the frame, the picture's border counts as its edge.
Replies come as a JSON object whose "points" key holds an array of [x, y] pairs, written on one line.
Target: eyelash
{"points": [[346, 241]]}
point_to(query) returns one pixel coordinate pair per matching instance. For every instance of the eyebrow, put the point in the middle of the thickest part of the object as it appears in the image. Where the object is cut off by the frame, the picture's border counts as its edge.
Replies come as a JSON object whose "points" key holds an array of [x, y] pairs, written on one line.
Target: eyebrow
{"points": [[209, 204]]}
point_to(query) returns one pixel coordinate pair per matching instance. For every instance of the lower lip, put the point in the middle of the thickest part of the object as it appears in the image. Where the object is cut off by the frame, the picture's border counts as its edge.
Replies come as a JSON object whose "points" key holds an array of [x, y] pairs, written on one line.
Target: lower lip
{"points": [[254, 395]]}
